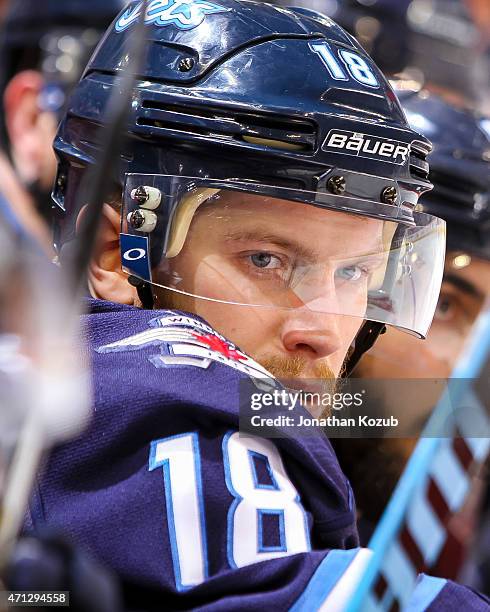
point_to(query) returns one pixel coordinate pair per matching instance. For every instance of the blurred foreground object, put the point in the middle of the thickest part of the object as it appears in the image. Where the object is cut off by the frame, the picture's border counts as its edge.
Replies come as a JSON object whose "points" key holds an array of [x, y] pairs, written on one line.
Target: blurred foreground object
{"points": [[412, 535], [44, 390]]}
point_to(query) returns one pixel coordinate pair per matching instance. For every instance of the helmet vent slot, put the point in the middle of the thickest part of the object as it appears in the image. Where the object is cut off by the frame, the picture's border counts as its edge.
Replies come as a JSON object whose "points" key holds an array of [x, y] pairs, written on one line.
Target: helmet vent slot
{"points": [[273, 132], [419, 167]]}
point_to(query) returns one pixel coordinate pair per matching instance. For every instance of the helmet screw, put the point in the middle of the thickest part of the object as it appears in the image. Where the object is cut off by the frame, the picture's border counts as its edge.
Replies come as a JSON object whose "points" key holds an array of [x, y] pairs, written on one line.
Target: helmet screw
{"points": [[389, 195], [142, 220], [336, 185], [136, 219], [147, 197], [186, 64], [140, 195]]}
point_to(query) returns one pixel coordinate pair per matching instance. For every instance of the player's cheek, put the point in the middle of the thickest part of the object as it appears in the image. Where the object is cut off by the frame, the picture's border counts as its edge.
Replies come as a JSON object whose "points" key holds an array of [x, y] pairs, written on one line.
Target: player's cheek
{"points": [[251, 329]]}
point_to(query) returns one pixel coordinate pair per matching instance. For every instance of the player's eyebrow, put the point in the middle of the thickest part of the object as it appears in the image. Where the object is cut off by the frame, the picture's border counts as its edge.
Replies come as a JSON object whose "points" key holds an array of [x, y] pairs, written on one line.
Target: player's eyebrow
{"points": [[280, 241], [463, 285], [300, 250]]}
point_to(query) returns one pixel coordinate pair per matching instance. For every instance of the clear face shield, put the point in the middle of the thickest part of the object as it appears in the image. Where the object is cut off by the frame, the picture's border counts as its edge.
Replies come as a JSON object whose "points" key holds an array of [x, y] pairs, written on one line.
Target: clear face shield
{"points": [[259, 246]]}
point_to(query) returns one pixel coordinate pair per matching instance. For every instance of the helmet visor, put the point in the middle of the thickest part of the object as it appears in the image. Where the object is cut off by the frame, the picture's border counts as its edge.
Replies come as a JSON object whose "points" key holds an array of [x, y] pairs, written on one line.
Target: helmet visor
{"points": [[268, 247]]}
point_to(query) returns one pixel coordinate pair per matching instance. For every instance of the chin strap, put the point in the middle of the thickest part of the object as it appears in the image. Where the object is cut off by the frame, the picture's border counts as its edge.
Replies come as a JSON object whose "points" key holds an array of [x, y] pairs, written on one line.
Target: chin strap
{"points": [[145, 293], [367, 336], [371, 330]]}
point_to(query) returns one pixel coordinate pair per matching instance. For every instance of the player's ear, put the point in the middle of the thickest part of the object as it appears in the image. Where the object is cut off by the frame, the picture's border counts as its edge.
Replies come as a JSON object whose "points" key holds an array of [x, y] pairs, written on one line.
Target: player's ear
{"points": [[106, 279], [30, 129]]}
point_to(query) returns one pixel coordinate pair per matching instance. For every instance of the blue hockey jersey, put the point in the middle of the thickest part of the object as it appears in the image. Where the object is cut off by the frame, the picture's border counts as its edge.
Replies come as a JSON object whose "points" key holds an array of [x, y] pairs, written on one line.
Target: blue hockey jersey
{"points": [[164, 489], [188, 512]]}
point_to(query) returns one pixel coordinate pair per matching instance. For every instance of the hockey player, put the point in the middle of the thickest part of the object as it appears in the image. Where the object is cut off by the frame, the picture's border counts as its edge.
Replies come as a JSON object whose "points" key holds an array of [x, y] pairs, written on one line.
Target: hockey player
{"points": [[268, 187], [460, 174]]}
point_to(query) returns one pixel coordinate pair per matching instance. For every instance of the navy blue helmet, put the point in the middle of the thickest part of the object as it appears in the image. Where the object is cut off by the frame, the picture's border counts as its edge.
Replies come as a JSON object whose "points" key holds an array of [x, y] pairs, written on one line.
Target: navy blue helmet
{"points": [[241, 107], [460, 169]]}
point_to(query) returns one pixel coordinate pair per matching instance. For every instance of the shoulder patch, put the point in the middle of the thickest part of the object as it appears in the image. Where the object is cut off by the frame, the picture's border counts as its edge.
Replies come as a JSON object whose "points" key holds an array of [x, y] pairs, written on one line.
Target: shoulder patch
{"points": [[185, 341]]}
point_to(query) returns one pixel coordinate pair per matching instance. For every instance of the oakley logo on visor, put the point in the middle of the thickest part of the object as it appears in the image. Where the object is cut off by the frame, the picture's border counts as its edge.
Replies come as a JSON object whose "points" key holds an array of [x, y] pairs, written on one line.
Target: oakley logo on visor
{"points": [[363, 145], [183, 14]]}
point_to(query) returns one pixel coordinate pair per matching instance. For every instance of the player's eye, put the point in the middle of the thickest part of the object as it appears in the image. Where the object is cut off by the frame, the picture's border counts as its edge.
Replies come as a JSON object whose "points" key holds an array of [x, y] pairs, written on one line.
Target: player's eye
{"points": [[268, 267], [446, 308], [265, 260], [349, 274]]}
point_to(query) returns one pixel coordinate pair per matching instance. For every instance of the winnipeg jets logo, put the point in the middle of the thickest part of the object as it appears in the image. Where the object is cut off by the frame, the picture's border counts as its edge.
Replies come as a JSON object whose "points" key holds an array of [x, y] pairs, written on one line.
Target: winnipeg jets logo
{"points": [[184, 341], [183, 14]]}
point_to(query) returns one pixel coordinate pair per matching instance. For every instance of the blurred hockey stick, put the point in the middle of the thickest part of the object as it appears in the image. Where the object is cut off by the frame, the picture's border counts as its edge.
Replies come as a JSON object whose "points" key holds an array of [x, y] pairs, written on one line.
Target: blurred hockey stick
{"points": [[43, 338], [97, 182], [434, 486], [44, 388]]}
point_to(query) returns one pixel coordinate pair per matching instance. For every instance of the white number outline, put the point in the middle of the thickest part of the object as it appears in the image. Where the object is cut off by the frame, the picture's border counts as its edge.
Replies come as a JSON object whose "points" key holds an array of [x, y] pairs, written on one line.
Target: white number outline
{"points": [[161, 460], [165, 465], [325, 53], [238, 500], [267, 511], [330, 61], [344, 54]]}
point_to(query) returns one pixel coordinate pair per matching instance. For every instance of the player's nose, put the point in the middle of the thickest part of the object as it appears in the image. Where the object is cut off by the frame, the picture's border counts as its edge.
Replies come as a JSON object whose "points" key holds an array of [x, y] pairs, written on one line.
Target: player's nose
{"points": [[314, 335]]}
